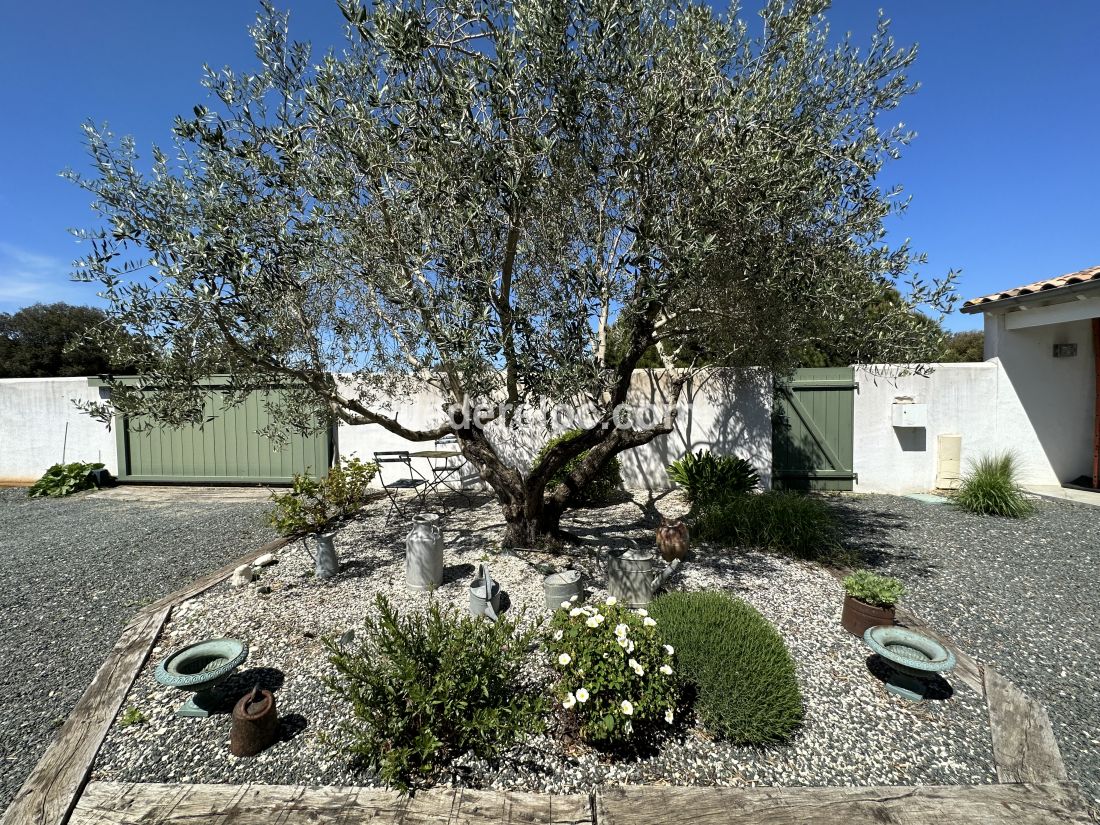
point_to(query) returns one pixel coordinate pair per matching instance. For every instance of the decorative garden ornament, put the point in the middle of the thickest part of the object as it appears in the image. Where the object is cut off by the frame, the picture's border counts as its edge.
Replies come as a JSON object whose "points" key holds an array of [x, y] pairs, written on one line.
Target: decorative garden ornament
{"points": [[255, 723], [561, 587], [672, 539], [424, 554], [199, 668], [633, 576], [325, 563], [913, 659], [484, 594]]}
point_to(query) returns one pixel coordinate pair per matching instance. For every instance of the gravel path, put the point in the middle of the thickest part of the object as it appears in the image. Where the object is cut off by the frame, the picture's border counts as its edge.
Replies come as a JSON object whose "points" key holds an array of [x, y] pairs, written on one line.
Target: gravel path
{"points": [[1018, 594], [855, 733], [72, 573]]}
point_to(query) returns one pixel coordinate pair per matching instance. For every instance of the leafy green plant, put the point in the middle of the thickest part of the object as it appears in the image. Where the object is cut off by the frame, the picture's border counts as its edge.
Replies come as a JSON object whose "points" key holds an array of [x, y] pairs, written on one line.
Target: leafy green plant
{"points": [[706, 476], [880, 591], [785, 522], [313, 504], [65, 479], [746, 687], [600, 489], [615, 674], [427, 687], [132, 716], [990, 488]]}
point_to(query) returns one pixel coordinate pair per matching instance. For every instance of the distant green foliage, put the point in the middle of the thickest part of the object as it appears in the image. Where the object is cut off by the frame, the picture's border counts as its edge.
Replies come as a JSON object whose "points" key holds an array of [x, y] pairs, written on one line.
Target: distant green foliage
{"points": [[65, 479], [428, 686], [990, 488], [49, 340], [600, 489], [880, 591], [706, 476], [786, 522], [313, 504], [747, 689], [959, 347]]}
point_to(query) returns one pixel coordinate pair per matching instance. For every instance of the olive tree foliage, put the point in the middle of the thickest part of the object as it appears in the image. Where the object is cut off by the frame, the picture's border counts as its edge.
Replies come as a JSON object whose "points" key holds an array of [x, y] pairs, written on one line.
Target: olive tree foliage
{"points": [[469, 193]]}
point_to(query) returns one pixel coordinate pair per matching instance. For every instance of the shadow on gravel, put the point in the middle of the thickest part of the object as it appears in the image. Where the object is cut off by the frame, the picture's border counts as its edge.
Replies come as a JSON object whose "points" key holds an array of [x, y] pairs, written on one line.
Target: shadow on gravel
{"points": [[938, 690], [877, 537]]}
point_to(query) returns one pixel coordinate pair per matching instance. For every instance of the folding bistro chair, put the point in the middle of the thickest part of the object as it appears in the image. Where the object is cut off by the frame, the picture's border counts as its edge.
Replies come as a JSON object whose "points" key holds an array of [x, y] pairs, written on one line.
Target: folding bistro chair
{"points": [[412, 481], [447, 463]]}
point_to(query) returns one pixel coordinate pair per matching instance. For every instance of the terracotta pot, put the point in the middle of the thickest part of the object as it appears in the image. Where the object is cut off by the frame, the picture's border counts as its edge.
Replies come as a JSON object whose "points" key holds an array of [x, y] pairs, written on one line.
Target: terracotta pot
{"points": [[673, 540], [255, 723], [858, 616]]}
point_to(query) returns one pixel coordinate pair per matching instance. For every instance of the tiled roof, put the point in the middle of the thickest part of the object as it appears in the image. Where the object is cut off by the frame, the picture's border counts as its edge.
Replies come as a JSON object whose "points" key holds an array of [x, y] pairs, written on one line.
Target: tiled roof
{"points": [[1084, 276]]}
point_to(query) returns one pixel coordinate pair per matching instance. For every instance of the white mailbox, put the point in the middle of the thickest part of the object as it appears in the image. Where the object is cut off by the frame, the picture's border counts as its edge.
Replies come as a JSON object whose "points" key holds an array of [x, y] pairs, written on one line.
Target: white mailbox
{"points": [[908, 414]]}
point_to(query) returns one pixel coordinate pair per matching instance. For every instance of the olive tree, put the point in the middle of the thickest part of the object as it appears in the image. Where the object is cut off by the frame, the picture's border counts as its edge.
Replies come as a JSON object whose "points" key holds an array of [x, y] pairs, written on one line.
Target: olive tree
{"points": [[468, 194]]}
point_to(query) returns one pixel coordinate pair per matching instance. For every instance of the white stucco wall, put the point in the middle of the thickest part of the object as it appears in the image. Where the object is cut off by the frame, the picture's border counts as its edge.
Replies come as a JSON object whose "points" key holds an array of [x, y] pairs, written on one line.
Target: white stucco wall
{"points": [[727, 414], [976, 401], [40, 426], [1058, 394]]}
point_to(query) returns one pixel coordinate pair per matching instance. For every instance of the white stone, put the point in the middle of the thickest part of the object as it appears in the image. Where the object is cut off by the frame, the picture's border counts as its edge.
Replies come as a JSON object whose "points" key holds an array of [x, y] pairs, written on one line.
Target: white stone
{"points": [[266, 560], [242, 575]]}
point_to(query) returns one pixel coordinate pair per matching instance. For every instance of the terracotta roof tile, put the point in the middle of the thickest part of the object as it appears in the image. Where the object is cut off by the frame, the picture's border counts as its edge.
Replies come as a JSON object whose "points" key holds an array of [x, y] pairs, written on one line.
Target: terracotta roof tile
{"points": [[1084, 276]]}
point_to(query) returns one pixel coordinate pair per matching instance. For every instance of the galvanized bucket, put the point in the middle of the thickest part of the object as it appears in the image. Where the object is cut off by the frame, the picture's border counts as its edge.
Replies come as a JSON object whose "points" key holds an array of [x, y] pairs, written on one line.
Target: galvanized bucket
{"points": [[633, 576], [424, 554], [484, 594], [561, 587]]}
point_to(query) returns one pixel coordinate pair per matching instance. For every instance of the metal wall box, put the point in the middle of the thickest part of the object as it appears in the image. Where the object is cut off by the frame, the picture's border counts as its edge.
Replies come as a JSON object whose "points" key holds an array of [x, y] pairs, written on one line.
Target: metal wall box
{"points": [[1065, 350], [909, 415]]}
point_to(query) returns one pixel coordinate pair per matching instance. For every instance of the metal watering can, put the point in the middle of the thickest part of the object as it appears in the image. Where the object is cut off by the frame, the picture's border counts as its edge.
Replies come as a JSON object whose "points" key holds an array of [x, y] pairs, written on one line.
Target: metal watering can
{"points": [[325, 563], [484, 594], [633, 577], [561, 587]]}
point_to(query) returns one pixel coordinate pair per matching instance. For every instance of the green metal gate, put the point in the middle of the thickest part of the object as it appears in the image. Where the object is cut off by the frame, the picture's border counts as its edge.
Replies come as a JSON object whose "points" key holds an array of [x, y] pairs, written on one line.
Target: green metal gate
{"points": [[812, 429], [226, 449]]}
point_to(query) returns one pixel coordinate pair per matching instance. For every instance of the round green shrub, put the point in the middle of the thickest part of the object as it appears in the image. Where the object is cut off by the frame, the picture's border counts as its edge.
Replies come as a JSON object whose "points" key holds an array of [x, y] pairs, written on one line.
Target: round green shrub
{"points": [[600, 489], [747, 690]]}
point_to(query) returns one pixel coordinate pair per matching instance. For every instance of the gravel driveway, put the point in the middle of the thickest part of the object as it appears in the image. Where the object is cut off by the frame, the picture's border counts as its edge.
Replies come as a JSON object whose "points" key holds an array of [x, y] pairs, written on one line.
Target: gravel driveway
{"points": [[73, 572], [1020, 595]]}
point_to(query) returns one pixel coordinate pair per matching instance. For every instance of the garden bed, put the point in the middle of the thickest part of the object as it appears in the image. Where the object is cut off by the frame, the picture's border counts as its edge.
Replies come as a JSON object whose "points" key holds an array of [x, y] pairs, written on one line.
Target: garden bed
{"points": [[854, 733]]}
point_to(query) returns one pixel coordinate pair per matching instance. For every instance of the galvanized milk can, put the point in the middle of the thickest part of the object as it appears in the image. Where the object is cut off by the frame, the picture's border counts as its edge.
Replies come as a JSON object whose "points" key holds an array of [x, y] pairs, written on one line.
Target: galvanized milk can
{"points": [[325, 563], [484, 594], [633, 576], [424, 554], [561, 587]]}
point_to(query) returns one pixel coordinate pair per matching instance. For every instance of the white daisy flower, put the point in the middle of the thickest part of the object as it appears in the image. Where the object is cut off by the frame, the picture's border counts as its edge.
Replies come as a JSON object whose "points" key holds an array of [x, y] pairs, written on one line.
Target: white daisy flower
{"points": [[569, 701], [627, 708], [565, 605], [582, 695], [599, 618], [648, 622], [592, 621], [629, 646], [669, 716], [557, 635], [573, 598], [577, 611], [611, 601], [628, 728], [637, 668], [623, 641], [641, 611], [665, 669], [621, 630], [669, 650], [564, 659]]}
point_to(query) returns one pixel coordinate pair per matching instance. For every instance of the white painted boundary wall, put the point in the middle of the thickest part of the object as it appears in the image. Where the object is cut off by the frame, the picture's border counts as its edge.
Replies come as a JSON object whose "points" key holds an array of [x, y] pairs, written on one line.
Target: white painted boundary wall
{"points": [[40, 426], [975, 401], [731, 416]]}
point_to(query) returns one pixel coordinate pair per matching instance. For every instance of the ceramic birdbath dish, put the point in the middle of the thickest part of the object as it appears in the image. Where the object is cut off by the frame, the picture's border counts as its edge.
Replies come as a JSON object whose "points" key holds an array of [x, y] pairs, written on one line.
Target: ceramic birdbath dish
{"points": [[912, 658], [199, 668]]}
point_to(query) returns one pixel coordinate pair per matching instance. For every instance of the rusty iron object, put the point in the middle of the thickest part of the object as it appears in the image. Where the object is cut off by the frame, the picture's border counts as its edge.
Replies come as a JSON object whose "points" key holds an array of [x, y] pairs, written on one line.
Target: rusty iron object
{"points": [[255, 723], [672, 539]]}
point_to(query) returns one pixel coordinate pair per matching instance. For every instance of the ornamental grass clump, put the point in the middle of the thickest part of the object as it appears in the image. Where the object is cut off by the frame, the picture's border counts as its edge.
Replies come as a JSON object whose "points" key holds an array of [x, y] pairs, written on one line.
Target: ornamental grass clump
{"points": [[427, 687], [616, 674], [990, 488], [785, 522], [746, 688]]}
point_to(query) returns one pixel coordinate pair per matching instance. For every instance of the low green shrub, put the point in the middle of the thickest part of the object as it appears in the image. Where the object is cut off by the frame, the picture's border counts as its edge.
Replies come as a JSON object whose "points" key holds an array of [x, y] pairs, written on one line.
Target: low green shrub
{"points": [[706, 476], [990, 488], [747, 691], [600, 489], [785, 522], [429, 686], [313, 504], [615, 675], [65, 479], [880, 591]]}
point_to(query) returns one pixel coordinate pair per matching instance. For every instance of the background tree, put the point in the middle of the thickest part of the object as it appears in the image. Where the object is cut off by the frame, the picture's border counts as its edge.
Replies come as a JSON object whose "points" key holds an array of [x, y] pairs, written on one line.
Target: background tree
{"points": [[53, 340], [469, 194], [964, 346]]}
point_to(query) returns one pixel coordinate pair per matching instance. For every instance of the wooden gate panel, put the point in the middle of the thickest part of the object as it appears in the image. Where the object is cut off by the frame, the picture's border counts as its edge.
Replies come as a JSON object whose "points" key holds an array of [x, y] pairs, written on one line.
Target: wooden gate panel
{"points": [[813, 430]]}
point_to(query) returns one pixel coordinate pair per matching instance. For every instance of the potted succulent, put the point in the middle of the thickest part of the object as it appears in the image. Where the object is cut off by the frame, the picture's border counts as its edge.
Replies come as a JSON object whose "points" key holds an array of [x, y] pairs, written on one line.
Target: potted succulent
{"points": [[869, 601]]}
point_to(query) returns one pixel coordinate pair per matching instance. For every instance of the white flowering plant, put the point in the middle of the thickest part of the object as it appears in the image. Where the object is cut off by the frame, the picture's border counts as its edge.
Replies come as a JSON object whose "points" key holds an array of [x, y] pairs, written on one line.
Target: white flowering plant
{"points": [[615, 672]]}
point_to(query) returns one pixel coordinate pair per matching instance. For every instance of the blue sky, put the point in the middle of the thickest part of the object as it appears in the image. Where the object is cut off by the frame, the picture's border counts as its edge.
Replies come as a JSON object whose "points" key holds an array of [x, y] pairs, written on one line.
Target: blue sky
{"points": [[1005, 173]]}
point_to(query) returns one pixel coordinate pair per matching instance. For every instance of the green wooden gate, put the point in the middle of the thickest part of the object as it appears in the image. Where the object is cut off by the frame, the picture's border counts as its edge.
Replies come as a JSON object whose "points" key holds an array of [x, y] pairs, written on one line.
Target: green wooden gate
{"points": [[226, 449], [812, 430]]}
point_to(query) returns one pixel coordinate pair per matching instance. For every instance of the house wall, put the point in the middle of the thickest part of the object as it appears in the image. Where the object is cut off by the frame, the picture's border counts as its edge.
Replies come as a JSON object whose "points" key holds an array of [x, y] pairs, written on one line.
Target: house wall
{"points": [[976, 401], [1058, 394], [40, 426]]}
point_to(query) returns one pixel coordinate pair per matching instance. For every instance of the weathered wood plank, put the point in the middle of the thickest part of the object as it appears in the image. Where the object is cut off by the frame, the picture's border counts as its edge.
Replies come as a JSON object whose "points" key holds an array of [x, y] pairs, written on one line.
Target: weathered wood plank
{"points": [[49, 793], [107, 803], [922, 805], [967, 669], [1024, 746]]}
